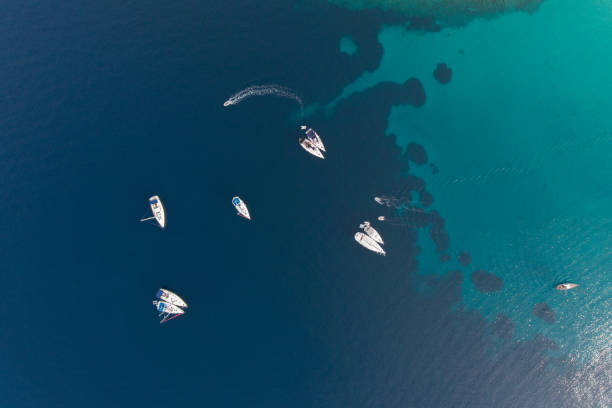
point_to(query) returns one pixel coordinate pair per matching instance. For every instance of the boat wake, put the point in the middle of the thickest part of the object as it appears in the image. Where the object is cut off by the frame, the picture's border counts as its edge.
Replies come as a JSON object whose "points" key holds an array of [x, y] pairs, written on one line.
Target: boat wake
{"points": [[394, 202], [262, 90]]}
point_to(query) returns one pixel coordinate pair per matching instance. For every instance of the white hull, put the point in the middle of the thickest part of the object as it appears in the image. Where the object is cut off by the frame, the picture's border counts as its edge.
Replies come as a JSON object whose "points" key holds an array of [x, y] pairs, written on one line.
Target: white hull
{"points": [[157, 209], [310, 148], [381, 218], [241, 207], [314, 138], [171, 297], [367, 242], [566, 286], [167, 308], [372, 233], [379, 200]]}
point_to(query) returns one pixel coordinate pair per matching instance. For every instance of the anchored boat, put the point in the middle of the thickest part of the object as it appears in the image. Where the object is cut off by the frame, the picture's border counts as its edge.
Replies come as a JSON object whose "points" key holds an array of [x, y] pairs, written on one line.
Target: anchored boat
{"points": [[310, 147], [372, 233], [168, 305], [367, 242], [171, 297], [167, 311], [241, 207], [157, 209], [566, 286], [314, 137]]}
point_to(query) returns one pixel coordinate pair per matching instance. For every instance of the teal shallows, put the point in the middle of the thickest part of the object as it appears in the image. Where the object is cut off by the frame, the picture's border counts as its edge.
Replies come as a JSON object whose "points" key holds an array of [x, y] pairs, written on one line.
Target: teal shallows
{"points": [[522, 136], [347, 45]]}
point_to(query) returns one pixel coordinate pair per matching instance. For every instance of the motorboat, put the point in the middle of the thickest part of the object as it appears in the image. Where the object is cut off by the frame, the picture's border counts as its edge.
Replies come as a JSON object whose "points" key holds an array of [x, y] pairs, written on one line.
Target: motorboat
{"points": [[241, 207], [367, 242], [372, 233], [311, 148], [566, 286]]}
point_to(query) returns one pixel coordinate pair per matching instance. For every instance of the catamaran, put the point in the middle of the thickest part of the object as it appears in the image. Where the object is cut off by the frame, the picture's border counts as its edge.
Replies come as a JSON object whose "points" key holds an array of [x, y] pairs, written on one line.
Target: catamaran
{"points": [[167, 311], [372, 233], [314, 137], [158, 211], [241, 207], [311, 148], [566, 286], [171, 297], [367, 242]]}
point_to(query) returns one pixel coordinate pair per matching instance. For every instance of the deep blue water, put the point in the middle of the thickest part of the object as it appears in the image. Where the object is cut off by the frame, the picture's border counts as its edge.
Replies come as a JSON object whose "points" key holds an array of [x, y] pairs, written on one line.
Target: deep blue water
{"points": [[105, 104]]}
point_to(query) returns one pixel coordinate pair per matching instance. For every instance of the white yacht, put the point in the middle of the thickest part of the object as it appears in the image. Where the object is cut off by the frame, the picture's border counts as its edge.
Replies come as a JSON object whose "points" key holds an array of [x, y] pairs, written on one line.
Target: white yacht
{"points": [[157, 209], [311, 148], [566, 286], [369, 243], [314, 137], [372, 233], [241, 207], [167, 311], [171, 297]]}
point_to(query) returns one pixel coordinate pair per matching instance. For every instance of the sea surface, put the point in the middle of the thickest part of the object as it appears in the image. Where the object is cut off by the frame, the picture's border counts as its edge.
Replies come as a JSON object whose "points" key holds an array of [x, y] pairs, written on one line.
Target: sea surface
{"points": [[497, 180]]}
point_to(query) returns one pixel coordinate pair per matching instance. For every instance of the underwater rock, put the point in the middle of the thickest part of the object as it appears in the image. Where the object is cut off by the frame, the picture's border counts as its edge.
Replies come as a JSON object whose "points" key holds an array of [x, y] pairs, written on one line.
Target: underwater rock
{"points": [[433, 15], [544, 312], [502, 326], [416, 153], [443, 73], [486, 282], [424, 23], [416, 92], [426, 199], [464, 258]]}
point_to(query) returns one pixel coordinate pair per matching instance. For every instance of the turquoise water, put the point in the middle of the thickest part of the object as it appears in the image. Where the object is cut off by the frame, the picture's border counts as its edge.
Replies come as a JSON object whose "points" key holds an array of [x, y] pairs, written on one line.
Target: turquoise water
{"points": [[347, 45], [522, 140]]}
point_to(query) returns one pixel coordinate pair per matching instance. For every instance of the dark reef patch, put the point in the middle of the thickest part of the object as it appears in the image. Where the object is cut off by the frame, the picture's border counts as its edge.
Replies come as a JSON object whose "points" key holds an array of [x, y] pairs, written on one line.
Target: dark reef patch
{"points": [[443, 73], [434, 168], [437, 232], [502, 326], [445, 258], [416, 153], [394, 298], [486, 282], [544, 312], [426, 199], [424, 24], [416, 92], [464, 258]]}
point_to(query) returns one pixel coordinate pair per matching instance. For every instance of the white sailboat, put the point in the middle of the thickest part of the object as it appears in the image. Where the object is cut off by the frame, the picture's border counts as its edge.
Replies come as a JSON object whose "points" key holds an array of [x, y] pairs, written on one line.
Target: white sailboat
{"points": [[314, 137], [241, 207], [310, 148], [167, 311], [157, 209], [372, 233], [171, 297], [367, 242]]}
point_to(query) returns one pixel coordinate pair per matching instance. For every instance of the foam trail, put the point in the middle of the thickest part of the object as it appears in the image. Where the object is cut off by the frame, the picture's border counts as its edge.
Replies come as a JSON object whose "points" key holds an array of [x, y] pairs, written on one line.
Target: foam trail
{"points": [[262, 90], [410, 217], [394, 202]]}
